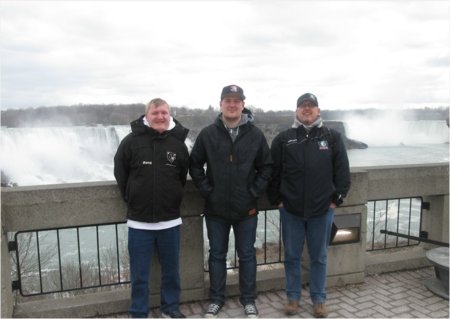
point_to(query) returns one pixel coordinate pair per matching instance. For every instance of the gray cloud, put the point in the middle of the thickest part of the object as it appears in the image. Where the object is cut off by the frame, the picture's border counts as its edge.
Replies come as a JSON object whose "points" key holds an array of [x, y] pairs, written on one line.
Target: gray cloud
{"points": [[352, 53]]}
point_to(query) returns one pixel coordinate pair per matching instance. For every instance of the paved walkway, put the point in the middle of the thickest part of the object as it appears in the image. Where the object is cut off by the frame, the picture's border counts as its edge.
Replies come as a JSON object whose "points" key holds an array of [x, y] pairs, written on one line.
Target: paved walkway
{"points": [[392, 295]]}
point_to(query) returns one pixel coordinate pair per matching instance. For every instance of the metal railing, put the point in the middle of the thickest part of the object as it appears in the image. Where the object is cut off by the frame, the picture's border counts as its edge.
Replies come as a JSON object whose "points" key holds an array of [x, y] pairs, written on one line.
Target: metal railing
{"points": [[67, 259], [400, 215]]}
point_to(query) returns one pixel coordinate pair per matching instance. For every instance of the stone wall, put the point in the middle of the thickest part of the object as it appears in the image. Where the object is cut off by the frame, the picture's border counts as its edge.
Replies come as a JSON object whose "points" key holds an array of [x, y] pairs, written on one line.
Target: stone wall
{"points": [[26, 208]]}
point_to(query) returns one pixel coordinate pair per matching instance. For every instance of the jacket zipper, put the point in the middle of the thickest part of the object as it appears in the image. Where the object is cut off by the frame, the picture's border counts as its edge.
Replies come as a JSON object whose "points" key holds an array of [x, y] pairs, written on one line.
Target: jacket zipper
{"points": [[154, 182], [305, 155], [230, 181]]}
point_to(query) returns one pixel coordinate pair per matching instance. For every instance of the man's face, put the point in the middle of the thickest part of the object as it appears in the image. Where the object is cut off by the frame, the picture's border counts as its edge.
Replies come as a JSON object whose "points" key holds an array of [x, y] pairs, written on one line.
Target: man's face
{"points": [[158, 117], [231, 107], [307, 112]]}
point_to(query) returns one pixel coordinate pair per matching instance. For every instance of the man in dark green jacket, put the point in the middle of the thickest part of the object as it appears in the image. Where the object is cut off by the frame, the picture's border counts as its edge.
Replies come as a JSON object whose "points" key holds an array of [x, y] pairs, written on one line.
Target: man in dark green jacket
{"points": [[150, 167], [238, 168]]}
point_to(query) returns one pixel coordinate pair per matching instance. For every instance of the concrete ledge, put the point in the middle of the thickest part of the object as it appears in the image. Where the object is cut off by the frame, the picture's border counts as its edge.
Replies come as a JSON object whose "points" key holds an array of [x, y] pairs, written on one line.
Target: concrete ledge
{"points": [[274, 279], [107, 303], [91, 304], [345, 279], [88, 305], [266, 280], [396, 259]]}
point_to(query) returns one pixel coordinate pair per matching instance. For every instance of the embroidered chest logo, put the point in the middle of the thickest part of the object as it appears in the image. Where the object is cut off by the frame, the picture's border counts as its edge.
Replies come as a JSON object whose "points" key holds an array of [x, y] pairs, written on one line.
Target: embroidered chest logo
{"points": [[171, 157], [323, 145], [291, 141]]}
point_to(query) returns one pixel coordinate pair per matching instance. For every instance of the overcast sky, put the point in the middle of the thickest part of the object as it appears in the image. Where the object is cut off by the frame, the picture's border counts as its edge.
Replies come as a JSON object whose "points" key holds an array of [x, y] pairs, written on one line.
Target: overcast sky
{"points": [[351, 54]]}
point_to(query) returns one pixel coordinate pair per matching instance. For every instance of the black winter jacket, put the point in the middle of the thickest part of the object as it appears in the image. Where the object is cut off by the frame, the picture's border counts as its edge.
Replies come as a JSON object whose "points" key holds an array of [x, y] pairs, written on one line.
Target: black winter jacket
{"points": [[151, 169], [310, 171], [237, 173]]}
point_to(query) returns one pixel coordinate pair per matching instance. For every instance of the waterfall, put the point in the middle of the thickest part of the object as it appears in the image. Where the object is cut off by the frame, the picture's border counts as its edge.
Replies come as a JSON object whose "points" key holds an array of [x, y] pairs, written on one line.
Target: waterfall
{"points": [[55, 155], [390, 131]]}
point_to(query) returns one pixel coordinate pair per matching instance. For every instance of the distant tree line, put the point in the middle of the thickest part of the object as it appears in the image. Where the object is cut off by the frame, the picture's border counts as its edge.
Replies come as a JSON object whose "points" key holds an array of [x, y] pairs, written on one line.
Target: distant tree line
{"points": [[122, 114]]}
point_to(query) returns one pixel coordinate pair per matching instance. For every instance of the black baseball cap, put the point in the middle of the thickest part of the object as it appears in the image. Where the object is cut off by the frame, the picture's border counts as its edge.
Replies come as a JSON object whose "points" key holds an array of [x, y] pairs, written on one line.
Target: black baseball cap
{"points": [[307, 97], [232, 90]]}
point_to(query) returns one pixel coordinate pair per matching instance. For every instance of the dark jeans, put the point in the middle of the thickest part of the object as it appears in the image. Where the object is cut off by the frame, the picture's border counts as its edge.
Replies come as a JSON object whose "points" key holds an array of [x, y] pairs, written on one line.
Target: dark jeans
{"points": [[140, 247], [244, 235]]}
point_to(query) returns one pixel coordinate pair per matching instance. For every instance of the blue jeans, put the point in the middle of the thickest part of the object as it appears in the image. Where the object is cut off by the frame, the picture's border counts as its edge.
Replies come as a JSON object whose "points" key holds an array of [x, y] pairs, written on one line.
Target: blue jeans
{"points": [[317, 232], [140, 248], [244, 235]]}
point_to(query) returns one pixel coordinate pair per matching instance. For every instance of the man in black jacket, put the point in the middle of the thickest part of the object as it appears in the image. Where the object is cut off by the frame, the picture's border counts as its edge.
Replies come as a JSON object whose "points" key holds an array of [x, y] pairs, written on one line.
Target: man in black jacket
{"points": [[238, 168], [150, 167], [311, 176]]}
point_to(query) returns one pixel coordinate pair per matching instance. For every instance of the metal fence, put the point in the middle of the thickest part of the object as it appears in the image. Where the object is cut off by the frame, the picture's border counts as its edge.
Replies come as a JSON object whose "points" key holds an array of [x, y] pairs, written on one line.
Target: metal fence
{"points": [[75, 258], [400, 215], [70, 258]]}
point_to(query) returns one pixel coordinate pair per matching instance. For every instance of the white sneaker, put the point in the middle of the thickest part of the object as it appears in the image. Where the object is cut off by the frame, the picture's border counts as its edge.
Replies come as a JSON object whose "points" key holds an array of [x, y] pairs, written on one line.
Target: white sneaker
{"points": [[251, 311], [213, 310]]}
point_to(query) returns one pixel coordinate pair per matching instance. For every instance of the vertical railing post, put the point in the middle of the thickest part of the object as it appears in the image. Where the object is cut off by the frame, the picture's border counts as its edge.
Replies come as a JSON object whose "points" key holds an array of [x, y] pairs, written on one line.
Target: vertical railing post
{"points": [[7, 293]]}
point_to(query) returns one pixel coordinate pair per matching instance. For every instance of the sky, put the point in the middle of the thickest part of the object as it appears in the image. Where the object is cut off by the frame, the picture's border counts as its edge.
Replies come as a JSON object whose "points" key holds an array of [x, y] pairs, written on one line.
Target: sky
{"points": [[350, 54]]}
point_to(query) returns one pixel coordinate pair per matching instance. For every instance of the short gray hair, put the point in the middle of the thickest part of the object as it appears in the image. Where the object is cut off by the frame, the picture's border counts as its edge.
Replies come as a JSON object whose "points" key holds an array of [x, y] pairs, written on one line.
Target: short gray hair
{"points": [[156, 102]]}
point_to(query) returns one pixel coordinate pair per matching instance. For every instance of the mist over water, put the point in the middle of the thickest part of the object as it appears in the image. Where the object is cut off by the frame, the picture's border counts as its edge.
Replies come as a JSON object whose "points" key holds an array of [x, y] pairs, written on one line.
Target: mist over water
{"points": [[54, 155], [390, 131]]}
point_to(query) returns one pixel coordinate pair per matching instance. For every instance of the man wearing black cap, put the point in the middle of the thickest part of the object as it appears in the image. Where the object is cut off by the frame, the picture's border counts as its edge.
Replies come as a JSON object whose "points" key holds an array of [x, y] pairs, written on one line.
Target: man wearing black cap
{"points": [[310, 177], [237, 173]]}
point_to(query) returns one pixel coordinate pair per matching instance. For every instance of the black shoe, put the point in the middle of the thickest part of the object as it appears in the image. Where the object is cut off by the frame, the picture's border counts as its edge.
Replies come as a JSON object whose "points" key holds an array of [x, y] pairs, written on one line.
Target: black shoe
{"points": [[172, 314], [213, 310], [250, 310]]}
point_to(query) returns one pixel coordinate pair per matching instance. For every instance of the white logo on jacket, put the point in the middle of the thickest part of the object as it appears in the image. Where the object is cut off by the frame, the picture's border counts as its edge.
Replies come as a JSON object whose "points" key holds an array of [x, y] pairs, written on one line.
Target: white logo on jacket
{"points": [[323, 145], [171, 157]]}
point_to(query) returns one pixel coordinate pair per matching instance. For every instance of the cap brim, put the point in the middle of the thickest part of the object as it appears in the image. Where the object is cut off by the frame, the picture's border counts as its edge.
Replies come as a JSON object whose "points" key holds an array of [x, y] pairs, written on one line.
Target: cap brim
{"points": [[307, 100], [239, 96]]}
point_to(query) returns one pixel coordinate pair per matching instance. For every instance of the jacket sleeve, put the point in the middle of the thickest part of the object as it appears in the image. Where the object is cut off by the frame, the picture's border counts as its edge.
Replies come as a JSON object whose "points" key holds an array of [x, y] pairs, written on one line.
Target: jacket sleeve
{"points": [[184, 167], [196, 166], [122, 167], [263, 167], [341, 170], [273, 191]]}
